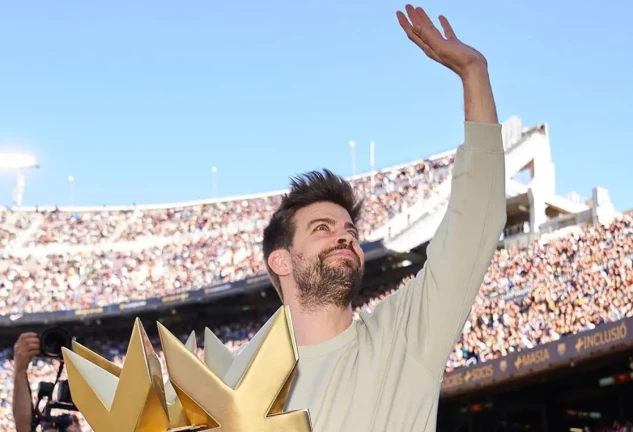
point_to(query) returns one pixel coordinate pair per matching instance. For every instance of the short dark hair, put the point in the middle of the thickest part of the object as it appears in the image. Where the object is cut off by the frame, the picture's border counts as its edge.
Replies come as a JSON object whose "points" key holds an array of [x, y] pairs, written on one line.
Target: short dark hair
{"points": [[306, 189]]}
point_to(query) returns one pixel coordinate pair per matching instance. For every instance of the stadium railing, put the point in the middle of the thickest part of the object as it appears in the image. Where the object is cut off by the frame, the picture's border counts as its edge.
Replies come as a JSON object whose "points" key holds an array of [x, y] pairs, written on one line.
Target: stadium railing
{"points": [[372, 250], [569, 349]]}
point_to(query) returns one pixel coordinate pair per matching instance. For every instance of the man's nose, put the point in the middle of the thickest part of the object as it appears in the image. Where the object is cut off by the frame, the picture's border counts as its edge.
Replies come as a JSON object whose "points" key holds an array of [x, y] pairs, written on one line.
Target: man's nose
{"points": [[345, 237]]}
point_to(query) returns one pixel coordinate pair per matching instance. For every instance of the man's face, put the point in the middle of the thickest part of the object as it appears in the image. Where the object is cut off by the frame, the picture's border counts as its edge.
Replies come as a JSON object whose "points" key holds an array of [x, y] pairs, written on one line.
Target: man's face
{"points": [[327, 261]]}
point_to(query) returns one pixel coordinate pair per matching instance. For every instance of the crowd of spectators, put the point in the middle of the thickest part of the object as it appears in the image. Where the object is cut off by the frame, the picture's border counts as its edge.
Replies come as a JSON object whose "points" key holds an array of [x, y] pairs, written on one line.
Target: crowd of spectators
{"points": [[10, 225], [530, 296], [549, 289], [148, 253]]}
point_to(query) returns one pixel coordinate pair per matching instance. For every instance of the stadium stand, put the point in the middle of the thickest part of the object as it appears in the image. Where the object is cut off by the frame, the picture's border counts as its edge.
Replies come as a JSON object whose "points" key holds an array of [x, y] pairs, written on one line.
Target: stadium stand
{"points": [[84, 258], [566, 272]]}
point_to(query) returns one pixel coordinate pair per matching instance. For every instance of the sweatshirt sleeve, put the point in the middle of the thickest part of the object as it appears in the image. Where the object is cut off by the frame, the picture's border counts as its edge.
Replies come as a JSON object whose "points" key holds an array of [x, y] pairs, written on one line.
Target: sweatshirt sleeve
{"points": [[431, 309]]}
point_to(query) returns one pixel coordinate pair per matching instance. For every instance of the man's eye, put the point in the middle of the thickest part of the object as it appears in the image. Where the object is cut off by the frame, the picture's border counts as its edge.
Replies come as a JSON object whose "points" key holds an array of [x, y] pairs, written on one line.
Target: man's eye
{"points": [[319, 228], [354, 234]]}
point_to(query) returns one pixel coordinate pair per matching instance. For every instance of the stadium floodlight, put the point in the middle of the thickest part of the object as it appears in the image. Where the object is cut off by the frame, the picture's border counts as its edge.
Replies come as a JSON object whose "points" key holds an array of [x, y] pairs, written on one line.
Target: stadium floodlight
{"points": [[18, 163], [352, 146], [71, 192], [10, 161], [214, 181]]}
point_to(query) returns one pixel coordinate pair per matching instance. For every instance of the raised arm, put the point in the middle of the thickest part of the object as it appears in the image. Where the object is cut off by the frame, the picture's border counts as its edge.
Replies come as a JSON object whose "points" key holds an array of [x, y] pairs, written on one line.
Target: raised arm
{"points": [[432, 308]]}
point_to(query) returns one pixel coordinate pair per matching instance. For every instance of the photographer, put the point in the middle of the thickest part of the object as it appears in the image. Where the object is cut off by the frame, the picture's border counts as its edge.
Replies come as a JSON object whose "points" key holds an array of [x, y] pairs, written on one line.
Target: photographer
{"points": [[25, 349]]}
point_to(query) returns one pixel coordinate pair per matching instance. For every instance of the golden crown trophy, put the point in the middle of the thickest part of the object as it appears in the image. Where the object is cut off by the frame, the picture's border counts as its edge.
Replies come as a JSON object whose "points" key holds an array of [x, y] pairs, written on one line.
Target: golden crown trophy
{"points": [[134, 398]]}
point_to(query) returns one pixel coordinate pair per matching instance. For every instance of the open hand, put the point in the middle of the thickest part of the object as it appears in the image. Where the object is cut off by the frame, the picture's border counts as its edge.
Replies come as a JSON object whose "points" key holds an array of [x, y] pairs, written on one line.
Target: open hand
{"points": [[447, 49]]}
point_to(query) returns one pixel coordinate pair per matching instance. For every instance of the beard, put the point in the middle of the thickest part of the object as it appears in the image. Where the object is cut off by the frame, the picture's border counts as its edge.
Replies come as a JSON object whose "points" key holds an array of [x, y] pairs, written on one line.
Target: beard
{"points": [[332, 283]]}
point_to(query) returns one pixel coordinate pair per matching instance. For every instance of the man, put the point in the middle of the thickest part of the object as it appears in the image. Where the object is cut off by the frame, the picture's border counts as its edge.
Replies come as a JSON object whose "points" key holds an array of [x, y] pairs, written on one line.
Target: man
{"points": [[383, 372], [25, 350]]}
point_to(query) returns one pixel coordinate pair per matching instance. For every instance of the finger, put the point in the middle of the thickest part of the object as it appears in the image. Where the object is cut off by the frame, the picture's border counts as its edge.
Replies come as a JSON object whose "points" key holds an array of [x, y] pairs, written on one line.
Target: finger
{"points": [[27, 353], [408, 28], [25, 358], [410, 31], [413, 17], [448, 29], [33, 345], [27, 342], [423, 18], [25, 348], [427, 30], [27, 335], [404, 22], [31, 353]]}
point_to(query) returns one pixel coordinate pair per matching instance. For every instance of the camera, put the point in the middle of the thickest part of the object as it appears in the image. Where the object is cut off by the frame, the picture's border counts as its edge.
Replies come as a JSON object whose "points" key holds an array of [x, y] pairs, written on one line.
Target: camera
{"points": [[52, 340]]}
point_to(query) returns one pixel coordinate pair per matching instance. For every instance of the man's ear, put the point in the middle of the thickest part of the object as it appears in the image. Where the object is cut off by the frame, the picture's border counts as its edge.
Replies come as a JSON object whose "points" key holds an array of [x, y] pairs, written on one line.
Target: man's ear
{"points": [[280, 263]]}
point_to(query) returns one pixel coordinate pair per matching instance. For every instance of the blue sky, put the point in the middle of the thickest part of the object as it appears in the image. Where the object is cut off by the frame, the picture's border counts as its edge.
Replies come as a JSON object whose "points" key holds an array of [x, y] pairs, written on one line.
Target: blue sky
{"points": [[138, 101]]}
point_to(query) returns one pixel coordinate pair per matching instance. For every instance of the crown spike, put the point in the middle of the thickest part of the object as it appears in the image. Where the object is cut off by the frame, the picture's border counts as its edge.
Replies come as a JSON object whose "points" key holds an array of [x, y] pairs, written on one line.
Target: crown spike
{"points": [[177, 416], [258, 400], [184, 366], [217, 356], [134, 400], [95, 358], [278, 348]]}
